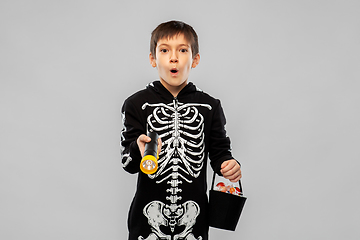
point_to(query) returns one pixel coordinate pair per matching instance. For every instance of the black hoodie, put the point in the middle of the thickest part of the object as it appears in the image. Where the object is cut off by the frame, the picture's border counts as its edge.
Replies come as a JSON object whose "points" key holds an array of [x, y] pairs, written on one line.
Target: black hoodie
{"points": [[172, 202]]}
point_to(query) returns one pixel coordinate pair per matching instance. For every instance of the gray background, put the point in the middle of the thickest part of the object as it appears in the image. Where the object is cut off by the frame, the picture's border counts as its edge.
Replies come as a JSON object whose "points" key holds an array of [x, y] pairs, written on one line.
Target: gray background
{"points": [[287, 73]]}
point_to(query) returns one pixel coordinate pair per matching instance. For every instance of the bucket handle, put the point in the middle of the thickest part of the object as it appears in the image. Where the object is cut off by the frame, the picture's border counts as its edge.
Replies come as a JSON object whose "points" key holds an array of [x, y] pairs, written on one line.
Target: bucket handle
{"points": [[213, 180]]}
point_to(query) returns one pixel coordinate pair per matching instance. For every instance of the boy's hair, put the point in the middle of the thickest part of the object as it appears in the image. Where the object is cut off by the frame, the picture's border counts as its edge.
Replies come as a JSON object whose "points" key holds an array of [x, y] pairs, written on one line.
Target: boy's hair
{"points": [[173, 28]]}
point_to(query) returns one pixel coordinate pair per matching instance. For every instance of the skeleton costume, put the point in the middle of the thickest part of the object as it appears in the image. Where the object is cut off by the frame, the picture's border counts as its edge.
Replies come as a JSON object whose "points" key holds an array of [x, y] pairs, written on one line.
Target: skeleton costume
{"points": [[172, 204]]}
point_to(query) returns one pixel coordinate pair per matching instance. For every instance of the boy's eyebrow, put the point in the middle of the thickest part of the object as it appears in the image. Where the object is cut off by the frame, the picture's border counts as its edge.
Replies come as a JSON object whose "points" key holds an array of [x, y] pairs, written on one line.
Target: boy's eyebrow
{"points": [[186, 45], [180, 45]]}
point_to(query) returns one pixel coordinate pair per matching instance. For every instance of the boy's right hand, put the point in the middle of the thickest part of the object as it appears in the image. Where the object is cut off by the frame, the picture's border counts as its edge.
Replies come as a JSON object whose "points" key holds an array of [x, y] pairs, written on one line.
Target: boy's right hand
{"points": [[142, 140]]}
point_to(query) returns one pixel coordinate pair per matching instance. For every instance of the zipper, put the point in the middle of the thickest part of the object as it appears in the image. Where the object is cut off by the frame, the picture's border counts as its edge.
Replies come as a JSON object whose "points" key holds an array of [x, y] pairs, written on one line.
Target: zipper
{"points": [[175, 101]]}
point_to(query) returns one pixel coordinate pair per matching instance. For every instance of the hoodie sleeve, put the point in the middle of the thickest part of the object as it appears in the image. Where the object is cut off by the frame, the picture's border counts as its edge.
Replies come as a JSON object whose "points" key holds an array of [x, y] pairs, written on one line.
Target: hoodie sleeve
{"points": [[220, 149], [132, 129]]}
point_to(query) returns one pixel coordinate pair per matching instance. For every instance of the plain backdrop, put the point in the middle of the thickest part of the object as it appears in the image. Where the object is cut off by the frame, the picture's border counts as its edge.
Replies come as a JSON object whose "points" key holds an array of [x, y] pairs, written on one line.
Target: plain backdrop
{"points": [[287, 73]]}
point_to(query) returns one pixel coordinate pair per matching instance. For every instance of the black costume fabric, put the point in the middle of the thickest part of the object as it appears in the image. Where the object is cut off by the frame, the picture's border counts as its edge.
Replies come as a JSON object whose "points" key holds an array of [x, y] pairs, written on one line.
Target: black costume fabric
{"points": [[172, 203]]}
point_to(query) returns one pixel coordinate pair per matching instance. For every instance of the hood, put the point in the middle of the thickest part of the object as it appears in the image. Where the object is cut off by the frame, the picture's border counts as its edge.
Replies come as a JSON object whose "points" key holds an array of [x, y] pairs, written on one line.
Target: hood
{"points": [[161, 90]]}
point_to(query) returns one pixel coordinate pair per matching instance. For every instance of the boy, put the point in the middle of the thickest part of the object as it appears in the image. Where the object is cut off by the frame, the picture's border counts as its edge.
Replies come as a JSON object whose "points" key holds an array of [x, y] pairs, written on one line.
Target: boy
{"points": [[172, 202]]}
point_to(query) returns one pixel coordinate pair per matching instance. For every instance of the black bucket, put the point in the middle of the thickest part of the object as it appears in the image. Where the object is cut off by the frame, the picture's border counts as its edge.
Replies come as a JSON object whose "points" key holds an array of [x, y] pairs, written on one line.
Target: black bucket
{"points": [[225, 209]]}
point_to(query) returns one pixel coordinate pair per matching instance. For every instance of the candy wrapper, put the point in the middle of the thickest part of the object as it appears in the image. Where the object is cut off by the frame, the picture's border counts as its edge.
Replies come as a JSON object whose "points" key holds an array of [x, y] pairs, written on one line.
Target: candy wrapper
{"points": [[228, 187]]}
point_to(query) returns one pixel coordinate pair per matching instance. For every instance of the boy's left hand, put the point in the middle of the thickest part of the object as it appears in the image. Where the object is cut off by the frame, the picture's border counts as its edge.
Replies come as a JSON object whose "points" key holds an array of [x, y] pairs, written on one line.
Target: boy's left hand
{"points": [[230, 169]]}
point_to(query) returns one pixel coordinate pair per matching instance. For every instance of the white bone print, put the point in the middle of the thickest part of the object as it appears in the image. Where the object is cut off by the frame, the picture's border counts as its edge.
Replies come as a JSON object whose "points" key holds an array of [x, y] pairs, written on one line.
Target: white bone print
{"points": [[181, 127]]}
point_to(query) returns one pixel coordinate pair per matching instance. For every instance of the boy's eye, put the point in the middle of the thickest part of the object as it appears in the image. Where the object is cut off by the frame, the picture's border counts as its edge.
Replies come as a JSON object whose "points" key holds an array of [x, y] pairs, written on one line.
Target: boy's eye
{"points": [[183, 50], [164, 50]]}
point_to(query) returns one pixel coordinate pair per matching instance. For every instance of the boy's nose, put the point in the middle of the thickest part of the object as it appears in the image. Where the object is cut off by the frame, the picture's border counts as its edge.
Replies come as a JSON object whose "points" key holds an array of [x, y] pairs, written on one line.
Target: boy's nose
{"points": [[173, 58]]}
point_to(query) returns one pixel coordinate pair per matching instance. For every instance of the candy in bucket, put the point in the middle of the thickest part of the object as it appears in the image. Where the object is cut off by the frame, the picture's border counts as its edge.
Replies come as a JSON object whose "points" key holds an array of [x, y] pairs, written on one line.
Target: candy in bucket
{"points": [[228, 188]]}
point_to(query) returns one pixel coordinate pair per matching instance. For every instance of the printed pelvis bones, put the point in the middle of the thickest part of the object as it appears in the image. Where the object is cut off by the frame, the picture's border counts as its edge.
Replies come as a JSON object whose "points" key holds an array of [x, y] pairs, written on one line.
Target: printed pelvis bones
{"points": [[181, 127], [160, 214]]}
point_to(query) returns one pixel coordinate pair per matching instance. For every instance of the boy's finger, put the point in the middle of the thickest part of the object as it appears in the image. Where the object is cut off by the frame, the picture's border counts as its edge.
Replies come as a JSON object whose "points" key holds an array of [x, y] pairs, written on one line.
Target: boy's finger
{"points": [[159, 145], [235, 177], [231, 172], [227, 165], [224, 164], [144, 138]]}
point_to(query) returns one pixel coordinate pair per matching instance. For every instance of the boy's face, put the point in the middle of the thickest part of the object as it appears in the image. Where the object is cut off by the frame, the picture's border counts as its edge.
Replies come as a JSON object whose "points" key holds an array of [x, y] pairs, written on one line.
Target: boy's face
{"points": [[174, 61]]}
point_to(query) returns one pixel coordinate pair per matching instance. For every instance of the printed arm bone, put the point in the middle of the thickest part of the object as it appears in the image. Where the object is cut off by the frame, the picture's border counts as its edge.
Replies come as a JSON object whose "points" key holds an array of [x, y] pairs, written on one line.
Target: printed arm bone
{"points": [[127, 159]]}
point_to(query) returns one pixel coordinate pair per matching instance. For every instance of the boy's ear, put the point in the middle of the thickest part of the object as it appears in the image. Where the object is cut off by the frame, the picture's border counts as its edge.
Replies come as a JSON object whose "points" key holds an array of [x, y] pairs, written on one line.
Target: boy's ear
{"points": [[196, 61], [152, 60]]}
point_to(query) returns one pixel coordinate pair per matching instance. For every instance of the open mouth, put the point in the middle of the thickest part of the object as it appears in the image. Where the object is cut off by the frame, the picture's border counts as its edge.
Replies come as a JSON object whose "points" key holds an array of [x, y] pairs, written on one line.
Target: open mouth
{"points": [[174, 72]]}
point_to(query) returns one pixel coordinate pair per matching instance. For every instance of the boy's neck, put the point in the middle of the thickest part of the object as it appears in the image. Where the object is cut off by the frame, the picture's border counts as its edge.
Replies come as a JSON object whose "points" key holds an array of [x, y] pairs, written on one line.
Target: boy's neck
{"points": [[174, 90]]}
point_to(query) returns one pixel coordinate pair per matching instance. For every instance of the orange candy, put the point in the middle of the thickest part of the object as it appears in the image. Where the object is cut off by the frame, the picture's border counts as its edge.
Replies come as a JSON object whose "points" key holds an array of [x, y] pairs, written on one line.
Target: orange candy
{"points": [[220, 184]]}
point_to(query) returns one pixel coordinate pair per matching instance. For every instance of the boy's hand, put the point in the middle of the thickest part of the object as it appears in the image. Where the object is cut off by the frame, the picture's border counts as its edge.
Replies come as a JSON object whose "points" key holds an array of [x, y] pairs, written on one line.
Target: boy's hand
{"points": [[230, 169], [142, 140]]}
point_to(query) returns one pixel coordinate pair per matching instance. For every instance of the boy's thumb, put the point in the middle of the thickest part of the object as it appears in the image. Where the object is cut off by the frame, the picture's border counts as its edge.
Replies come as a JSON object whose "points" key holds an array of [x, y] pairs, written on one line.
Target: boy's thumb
{"points": [[144, 138]]}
